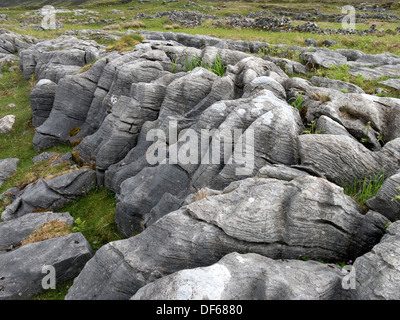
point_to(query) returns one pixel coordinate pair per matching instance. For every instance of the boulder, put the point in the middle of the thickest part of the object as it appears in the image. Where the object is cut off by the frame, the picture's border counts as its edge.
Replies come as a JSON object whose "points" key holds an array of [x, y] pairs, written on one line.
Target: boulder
{"points": [[342, 159], [377, 72], [6, 123], [55, 58], [335, 84], [324, 57], [393, 83], [51, 193], [377, 272], [274, 211], [22, 270], [384, 200], [249, 277], [42, 99], [14, 231], [7, 168]]}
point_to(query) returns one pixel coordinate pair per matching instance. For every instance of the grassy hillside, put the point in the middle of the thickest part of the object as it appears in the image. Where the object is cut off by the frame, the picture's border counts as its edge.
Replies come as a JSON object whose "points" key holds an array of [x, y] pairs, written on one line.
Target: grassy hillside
{"points": [[41, 3]]}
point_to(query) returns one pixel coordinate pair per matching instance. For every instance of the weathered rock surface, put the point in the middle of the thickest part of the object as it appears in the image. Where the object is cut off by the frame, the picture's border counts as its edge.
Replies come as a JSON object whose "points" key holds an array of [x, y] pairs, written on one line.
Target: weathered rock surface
{"points": [[341, 159], [7, 168], [393, 83], [335, 84], [378, 271], [21, 269], [189, 236], [120, 268], [14, 231], [138, 116], [384, 200], [6, 123], [324, 58], [42, 99], [249, 277], [274, 211], [53, 59], [51, 194]]}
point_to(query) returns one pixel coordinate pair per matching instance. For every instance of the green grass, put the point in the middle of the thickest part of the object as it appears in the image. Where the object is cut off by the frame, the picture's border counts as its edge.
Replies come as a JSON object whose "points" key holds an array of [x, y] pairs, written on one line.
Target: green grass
{"points": [[368, 44], [216, 67], [297, 102], [58, 293], [18, 142], [363, 189], [96, 211]]}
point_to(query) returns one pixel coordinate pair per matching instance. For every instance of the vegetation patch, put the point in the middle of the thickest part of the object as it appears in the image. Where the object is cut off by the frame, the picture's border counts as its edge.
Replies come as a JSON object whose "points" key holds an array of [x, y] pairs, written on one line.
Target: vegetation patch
{"points": [[362, 190], [94, 216], [126, 43], [51, 229]]}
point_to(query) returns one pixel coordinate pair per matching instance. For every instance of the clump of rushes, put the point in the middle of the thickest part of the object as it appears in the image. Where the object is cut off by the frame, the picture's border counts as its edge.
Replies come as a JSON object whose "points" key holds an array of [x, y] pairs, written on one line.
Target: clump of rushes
{"points": [[126, 43], [125, 25], [363, 189], [216, 67], [297, 102]]}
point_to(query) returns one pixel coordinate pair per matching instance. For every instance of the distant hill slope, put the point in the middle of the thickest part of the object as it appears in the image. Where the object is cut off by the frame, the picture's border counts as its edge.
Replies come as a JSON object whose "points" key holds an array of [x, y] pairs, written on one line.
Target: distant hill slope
{"points": [[40, 3]]}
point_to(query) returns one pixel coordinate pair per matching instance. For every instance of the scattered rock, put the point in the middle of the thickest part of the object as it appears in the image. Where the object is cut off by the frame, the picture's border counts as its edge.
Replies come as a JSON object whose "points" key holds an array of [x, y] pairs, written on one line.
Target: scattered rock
{"points": [[7, 168], [311, 42], [393, 83], [51, 193], [6, 123]]}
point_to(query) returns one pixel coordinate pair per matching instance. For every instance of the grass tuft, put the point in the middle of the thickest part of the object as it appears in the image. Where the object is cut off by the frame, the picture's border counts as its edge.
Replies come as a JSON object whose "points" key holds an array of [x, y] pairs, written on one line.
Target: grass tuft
{"points": [[51, 229], [362, 190], [126, 43]]}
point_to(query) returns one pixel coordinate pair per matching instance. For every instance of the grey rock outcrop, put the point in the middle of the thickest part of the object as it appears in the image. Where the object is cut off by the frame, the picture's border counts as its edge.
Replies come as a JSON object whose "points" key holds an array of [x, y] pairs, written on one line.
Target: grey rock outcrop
{"points": [[14, 231], [341, 159], [42, 99], [377, 272], [53, 59], [188, 238], [384, 200], [51, 193], [21, 269], [7, 168], [335, 84], [249, 277]]}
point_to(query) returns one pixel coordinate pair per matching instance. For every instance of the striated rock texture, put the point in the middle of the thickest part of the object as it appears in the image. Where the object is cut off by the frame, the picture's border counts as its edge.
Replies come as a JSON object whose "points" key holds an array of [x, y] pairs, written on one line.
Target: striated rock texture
{"points": [[281, 220], [7, 168], [249, 277], [212, 168], [377, 272], [51, 193], [21, 269], [385, 199], [14, 231]]}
